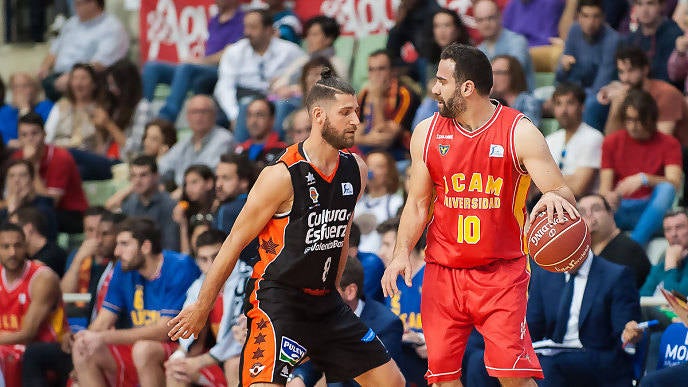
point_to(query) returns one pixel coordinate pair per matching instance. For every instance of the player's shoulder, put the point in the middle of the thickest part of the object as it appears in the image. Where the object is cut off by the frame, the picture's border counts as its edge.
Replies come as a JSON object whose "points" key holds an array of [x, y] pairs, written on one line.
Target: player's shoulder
{"points": [[422, 128]]}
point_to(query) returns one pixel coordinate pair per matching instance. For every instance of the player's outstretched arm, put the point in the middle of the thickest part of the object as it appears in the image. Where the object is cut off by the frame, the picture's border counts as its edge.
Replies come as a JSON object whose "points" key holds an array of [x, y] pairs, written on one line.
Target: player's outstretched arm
{"points": [[414, 216], [533, 154], [272, 193]]}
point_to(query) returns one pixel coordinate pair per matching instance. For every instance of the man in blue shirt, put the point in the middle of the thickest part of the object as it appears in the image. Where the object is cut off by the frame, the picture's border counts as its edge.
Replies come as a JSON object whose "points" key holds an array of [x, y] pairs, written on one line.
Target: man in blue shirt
{"points": [[149, 286], [670, 272]]}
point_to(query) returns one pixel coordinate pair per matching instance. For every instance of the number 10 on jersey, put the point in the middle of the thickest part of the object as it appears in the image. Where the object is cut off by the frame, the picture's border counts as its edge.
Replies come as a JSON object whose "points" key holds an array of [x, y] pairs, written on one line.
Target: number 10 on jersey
{"points": [[468, 229]]}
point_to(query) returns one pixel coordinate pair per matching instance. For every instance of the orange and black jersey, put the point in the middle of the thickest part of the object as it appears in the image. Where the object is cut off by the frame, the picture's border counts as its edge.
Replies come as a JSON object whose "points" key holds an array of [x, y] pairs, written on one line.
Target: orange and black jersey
{"points": [[301, 248]]}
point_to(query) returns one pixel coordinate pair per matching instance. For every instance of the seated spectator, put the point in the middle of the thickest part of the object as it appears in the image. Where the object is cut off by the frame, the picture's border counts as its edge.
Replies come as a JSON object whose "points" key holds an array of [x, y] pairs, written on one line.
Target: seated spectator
{"points": [[387, 107], [263, 144], [248, 67], [26, 92], [190, 364], [414, 20], [380, 202], [206, 144], [670, 272], [30, 304], [406, 304], [641, 169], [40, 248], [72, 124], [159, 136], [102, 353], [147, 200], [285, 22], [608, 241], [586, 60], [20, 192], [195, 204], [57, 177], [537, 20], [124, 120], [287, 93], [91, 36], [194, 74], [677, 67], [587, 322], [234, 178], [447, 28], [297, 126], [91, 219], [656, 36], [90, 273], [373, 267], [498, 40], [576, 147], [375, 315], [633, 69], [510, 86]]}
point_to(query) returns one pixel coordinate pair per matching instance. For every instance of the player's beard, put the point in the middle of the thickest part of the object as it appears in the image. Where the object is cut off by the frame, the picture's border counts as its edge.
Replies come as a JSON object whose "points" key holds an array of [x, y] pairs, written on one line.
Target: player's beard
{"points": [[337, 140], [454, 106], [134, 264]]}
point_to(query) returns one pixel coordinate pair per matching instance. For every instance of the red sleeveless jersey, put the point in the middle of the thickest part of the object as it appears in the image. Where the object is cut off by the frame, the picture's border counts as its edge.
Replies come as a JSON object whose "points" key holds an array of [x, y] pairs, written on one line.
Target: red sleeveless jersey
{"points": [[15, 301], [480, 188]]}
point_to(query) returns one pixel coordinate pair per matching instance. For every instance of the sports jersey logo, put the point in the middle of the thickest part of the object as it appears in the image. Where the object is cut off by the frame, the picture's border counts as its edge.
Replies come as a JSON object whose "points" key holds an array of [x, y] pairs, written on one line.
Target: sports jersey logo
{"points": [[445, 137], [285, 372], [369, 336], [314, 194], [310, 179], [444, 149], [291, 351], [496, 150], [255, 369], [22, 298], [347, 189]]}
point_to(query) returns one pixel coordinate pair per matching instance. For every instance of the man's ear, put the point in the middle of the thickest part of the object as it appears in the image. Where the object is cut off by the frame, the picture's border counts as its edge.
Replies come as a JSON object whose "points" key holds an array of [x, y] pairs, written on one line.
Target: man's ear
{"points": [[146, 248], [467, 88], [319, 115], [350, 292]]}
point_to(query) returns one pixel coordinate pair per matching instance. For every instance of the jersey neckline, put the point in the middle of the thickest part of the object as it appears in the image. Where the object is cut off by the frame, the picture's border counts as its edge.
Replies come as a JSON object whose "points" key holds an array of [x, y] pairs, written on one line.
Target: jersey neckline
{"points": [[327, 178], [483, 127]]}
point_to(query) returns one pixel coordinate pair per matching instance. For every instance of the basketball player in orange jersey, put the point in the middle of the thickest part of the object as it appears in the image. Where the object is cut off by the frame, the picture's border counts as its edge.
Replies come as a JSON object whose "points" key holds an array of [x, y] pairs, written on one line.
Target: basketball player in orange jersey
{"points": [[301, 208], [30, 303], [475, 159]]}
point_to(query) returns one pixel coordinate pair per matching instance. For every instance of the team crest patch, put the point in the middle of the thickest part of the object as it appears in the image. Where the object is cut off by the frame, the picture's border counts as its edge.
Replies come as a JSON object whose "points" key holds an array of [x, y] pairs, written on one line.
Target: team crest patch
{"points": [[347, 189], [314, 194], [291, 351], [444, 149], [255, 369]]}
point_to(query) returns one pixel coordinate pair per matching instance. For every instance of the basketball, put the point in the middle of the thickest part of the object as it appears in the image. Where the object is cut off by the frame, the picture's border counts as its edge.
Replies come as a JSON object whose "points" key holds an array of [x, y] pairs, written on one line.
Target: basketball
{"points": [[559, 246]]}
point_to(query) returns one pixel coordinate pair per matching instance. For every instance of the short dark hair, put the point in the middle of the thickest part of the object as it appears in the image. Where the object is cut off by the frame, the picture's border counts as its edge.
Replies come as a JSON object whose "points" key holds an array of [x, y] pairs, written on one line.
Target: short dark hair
{"points": [[566, 88], [265, 17], [201, 170], [24, 162], [590, 3], [101, 4], [142, 229], [675, 212], [211, 237], [391, 224], [327, 88], [268, 103], [381, 52], [169, 132], [113, 217], [602, 198], [246, 170], [354, 235], [11, 227], [470, 64], [635, 55], [329, 26], [95, 211], [146, 161], [353, 274], [34, 217], [645, 105], [32, 118]]}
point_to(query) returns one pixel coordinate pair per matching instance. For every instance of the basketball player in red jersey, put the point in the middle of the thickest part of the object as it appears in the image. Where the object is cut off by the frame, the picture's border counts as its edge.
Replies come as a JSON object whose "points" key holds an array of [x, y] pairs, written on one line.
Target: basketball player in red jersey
{"points": [[475, 159], [30, 303], [301, 208]]}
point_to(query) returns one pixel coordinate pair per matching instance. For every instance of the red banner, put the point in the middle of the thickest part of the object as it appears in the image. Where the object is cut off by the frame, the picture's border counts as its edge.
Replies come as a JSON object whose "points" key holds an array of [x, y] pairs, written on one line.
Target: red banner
{"points": [[175, 30]]}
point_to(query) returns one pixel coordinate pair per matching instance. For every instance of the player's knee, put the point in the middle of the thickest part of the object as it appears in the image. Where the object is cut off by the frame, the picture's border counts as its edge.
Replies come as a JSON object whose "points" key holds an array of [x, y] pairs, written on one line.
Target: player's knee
{"points": [[146, 353]]}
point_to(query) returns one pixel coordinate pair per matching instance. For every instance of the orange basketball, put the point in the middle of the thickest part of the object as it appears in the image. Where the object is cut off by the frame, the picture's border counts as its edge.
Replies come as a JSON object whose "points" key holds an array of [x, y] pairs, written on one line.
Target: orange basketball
{"points": [[559, 246]]}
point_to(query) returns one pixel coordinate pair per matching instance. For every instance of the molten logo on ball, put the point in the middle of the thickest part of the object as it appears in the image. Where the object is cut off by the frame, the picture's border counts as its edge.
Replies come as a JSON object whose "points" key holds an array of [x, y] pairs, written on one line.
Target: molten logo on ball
{"points": [[559, 246]]}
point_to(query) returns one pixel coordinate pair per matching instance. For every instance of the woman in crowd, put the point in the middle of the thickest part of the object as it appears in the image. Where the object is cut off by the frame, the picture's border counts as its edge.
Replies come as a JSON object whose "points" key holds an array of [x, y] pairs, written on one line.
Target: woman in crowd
{"points": [[381, 200], [196, 204], [26, 97], [511, 88]]}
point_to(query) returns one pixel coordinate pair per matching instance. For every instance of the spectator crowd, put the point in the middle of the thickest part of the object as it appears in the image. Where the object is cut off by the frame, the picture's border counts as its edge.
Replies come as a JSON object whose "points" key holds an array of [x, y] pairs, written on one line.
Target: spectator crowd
{"points": [[605, 81]]}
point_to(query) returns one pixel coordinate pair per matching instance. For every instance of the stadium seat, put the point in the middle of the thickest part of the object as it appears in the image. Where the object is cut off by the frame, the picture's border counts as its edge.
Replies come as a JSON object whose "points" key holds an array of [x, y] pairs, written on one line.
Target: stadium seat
{"points": [[548, 126], [366, 45], [543, 79], [99, 191], [545, 58], [344, 49]]}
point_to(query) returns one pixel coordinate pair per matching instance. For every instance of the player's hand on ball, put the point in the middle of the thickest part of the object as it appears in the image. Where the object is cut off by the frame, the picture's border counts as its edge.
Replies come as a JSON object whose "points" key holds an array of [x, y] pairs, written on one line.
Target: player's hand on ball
{"points": [[552, 203], [188, 322], [398, 266]]}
